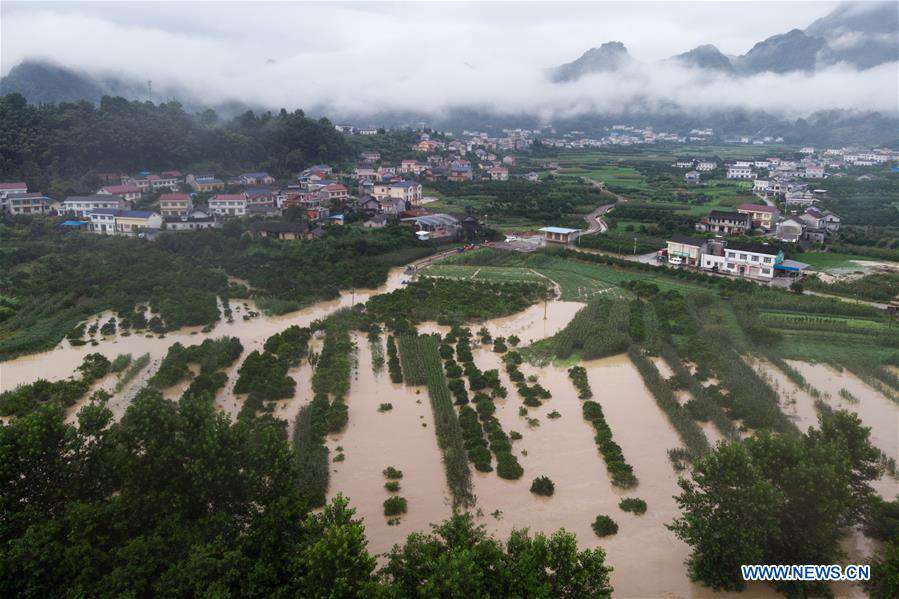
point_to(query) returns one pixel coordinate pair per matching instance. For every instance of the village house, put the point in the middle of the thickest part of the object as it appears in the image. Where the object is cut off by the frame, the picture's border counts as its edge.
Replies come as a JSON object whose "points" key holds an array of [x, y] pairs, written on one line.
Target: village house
{"points": [[288, 231], [790, 230], [377, 221], [704, 166], [751, 260], [130, 192], [727, 223], [175, 204], [205, 183], [413, 166], [736, 171], [151, 182], [800, 198], [128, 223], [365, 171], [368, 205], [83, 205], [814, 172], [684, 163], [7, 189], [532, 177], [228, 204], [460, 170], [561, 235], [685, 250], [260, 178], [821, 219], [335, 192], [762, 215], [431, 226], [761, 185], [692, 177], [28, 203], [498, 173], [370, 156], [192, 221], [408, 191]]}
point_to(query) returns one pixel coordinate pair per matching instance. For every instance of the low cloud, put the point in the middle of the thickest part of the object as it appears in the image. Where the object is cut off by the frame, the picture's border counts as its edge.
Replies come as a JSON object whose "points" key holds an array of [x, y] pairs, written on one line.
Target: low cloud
{"points": [[365, 58]]}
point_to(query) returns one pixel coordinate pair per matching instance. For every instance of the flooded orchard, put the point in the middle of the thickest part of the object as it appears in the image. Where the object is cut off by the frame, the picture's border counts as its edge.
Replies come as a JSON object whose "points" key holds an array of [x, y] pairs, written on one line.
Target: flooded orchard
{"points": [[648, 560]]}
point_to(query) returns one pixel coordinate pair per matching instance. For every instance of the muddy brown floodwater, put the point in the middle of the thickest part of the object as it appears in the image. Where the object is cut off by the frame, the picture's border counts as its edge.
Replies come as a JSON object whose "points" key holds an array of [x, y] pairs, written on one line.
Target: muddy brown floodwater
{"points": [[647, 558], [61, 361]]}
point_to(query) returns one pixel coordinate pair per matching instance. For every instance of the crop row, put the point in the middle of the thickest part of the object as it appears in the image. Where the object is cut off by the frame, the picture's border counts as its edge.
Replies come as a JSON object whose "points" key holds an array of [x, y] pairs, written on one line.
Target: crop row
{"points": [[450, 437], [703, 402], [578, 376], [622, 472], [687, 429]]}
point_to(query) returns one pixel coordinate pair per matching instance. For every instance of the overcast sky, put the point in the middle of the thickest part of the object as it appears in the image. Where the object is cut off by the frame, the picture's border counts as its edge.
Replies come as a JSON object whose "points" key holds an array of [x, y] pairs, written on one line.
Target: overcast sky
{"points": [[367, 56]]}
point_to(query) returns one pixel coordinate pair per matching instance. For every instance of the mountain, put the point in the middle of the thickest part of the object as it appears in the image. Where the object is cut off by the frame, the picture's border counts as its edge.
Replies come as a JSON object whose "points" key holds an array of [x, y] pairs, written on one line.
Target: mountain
{"points": [[610, 56], [791, 51], [864, 34], [42, 83], [706, 56]]}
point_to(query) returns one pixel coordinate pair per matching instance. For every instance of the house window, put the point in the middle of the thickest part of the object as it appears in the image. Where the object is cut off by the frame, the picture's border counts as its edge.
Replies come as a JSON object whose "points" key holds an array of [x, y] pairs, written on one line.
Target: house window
{"points": [[742, 256], [767, 260], [766, 271], [755, 258]]}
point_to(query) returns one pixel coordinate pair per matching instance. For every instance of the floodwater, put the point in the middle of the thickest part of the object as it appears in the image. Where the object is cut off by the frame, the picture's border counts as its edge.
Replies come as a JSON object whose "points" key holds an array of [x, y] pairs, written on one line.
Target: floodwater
{"points": [[61, 362], [647, 558], [402, 437], [874, 410]]}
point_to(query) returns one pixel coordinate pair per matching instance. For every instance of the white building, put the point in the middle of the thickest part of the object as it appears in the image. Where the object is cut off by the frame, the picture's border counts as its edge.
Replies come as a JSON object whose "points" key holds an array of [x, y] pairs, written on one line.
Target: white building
{"points": [[228, 204], [7, 189], [750, 260], [106, 221], [705, 166], [739, 172], [83, 205]]}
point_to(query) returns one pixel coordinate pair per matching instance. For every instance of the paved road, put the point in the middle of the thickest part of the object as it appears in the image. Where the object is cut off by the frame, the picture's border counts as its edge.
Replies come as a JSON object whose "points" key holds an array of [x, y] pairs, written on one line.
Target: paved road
{"points": [[595, 222]]}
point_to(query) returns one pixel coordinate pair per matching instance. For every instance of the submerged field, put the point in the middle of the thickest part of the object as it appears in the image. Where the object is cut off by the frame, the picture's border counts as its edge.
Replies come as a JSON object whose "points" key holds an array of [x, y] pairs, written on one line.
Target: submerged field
{"points": [[674, 364]]}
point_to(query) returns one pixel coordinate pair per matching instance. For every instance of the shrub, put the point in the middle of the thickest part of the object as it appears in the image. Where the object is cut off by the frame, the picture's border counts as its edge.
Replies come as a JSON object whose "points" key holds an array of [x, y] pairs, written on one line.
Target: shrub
{"points": [[633, 504], [553, 415], [394, 506], [392, 486], [578, 376], [392, 473], [120, 363], [508, 467], [385, 407], [604, 526], [542, 485]]}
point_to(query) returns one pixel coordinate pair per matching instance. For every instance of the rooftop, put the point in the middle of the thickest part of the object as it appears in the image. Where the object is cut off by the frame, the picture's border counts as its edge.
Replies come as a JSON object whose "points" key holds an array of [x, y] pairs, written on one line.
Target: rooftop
{"points": [[755, 248], [559, 230], [758, 208]]}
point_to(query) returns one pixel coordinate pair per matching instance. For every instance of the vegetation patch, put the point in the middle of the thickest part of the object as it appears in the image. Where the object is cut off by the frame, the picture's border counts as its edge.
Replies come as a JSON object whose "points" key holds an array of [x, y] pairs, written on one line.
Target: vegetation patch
{"points": [[634, 505], [622, 473], [542, 485], [604, 526]]}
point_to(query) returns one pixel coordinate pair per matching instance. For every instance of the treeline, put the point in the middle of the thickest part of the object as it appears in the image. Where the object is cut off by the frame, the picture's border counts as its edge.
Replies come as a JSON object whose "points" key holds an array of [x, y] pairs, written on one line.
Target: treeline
{"points": [[451, 301], [782, 499], [549, 202], [60, 147], [51, 281], [173, 499]]}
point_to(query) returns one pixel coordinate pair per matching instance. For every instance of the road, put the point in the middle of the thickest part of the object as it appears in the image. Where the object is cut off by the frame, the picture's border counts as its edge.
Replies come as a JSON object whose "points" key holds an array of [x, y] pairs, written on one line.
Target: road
{"points": [[595, 222]]}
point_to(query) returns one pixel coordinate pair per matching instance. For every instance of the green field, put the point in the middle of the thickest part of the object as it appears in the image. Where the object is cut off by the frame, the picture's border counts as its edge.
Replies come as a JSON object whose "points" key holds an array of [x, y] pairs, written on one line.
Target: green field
{"points": [[577, 280], [829, 260]]}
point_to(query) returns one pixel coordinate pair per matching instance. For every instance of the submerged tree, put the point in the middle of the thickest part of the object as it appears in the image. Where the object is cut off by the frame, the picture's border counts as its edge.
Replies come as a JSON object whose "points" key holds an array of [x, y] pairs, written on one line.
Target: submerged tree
{"points": [[777, 499]]}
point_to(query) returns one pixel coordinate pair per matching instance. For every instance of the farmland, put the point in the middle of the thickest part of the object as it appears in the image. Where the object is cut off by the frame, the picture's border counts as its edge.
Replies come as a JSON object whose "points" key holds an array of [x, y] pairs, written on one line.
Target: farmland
{"points": [[630, 392]]}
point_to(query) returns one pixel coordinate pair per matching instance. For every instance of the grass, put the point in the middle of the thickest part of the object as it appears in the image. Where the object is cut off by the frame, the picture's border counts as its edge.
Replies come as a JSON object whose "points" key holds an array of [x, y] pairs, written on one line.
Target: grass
{"points": [[828, 260], [579, 281]]}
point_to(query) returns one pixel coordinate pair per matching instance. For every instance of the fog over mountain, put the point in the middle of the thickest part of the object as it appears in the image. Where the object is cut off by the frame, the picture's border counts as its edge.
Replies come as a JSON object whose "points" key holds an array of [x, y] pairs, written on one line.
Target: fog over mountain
{"points": [[369, 60]]}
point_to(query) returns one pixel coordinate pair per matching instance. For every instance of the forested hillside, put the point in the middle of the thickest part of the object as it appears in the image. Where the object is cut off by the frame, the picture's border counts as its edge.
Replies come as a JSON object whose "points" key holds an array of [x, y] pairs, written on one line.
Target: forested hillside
{"points": [[53, 146]]}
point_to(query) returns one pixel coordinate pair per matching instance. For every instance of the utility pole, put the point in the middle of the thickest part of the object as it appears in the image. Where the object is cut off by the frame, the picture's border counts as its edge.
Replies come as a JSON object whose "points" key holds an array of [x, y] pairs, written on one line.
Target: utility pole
{"points": [[635, 246], [149, 90]]}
